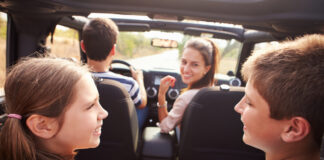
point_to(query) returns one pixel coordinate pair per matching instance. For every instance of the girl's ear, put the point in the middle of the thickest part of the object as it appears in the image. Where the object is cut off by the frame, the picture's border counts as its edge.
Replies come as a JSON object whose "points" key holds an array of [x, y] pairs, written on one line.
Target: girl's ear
{"points": [[296, 129], [42, 126]]}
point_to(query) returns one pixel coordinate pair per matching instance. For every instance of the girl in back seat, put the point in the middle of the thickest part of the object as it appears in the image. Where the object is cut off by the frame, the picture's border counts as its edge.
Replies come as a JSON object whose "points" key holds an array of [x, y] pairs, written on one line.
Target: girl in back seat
{"points": [[52, 109]]}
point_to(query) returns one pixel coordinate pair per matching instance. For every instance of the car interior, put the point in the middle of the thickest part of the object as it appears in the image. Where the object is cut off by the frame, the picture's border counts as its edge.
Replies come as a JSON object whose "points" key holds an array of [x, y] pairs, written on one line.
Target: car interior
{"points": [[210, 128]]}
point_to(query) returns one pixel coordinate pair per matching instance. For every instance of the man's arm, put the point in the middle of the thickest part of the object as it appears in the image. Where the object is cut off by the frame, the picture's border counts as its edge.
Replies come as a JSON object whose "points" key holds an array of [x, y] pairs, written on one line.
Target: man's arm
{"points": [[138, 76]]}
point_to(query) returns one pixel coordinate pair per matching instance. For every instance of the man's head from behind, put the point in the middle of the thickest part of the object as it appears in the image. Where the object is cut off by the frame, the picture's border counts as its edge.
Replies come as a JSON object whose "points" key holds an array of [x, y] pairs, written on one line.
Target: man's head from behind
{"points": [[99, 37], [289, 77]]}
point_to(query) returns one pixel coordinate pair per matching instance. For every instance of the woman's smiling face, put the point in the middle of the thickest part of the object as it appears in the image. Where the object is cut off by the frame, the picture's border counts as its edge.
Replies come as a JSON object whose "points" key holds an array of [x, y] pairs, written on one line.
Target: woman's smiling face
{"points": [[193, 66]]}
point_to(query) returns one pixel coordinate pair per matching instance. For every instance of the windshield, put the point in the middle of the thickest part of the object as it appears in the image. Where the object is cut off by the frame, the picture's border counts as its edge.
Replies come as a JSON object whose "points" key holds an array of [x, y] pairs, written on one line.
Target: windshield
{"points": [[136, 49]]}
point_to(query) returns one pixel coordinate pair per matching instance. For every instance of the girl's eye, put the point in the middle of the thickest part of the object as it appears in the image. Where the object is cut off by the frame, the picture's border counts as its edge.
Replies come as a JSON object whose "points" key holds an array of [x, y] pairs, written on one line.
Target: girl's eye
{"points": [[195, 64], [91, 106]]}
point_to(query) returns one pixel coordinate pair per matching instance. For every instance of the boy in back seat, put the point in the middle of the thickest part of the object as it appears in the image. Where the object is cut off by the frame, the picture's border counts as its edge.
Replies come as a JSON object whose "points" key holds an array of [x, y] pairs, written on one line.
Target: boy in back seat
{"points": [[282, 110]]}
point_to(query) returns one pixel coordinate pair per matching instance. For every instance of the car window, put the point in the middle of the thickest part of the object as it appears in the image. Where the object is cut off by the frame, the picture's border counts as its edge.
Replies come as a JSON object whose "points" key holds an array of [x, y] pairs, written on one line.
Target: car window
{"points": [[65, 43], [135, 48], [3, 33]]}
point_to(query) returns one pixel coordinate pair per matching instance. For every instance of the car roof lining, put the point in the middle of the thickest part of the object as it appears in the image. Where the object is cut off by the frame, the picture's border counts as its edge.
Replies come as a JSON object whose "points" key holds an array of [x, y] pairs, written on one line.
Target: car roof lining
{"points": [[195, 29], [280, 18]]}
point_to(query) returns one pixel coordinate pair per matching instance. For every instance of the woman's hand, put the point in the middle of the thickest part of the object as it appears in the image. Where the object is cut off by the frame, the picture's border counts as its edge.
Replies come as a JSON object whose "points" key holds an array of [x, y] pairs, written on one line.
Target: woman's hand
{"points": [[165, 83]]}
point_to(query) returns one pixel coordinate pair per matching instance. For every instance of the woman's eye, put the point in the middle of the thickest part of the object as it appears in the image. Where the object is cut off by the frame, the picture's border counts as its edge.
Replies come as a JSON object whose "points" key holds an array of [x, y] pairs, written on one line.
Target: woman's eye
{"points": [[195, 64]]}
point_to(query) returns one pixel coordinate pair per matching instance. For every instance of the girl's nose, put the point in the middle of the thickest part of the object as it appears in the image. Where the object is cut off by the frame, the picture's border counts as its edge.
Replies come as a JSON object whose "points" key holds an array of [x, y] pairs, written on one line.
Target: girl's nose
{"points": [[103, 113]]}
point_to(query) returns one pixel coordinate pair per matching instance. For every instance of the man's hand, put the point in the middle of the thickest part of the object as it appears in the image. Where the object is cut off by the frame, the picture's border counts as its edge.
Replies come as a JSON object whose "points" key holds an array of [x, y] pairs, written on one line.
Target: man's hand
{"points": [[136, 74]]}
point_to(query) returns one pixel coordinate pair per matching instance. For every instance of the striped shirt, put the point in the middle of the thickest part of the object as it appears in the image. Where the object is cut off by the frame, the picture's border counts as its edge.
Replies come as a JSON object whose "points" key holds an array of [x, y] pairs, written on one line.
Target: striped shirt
{"points": [[129, 83]]}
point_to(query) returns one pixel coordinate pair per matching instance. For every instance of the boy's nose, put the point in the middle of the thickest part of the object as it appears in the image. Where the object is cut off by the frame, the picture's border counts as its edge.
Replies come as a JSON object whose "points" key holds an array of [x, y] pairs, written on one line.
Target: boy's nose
{"points": [[239, 107]]}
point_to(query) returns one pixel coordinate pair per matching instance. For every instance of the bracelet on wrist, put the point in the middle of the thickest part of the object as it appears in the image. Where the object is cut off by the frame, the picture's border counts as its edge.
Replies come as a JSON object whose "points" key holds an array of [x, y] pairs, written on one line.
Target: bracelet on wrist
{"points": [[162, 106]]}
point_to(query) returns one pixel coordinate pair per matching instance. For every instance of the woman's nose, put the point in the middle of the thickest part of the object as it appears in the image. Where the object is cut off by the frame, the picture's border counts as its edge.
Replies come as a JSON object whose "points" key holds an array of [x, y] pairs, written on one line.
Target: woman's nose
{"points": [[186, 68]]}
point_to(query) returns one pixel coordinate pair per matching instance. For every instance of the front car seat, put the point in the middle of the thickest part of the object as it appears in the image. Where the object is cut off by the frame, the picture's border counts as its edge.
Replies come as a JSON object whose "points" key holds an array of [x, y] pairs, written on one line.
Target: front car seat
{"points": [[119, 136], [212, 130]]}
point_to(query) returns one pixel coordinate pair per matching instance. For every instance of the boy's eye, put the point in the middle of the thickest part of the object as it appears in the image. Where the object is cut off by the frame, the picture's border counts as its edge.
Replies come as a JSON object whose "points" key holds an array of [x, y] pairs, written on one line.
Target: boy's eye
{"points": [[248, 102]]}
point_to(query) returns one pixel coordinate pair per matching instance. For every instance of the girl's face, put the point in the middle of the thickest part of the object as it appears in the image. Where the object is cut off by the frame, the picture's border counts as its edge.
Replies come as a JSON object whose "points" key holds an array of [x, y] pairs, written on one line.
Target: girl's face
{"points": [[83, 118], [193, 66]]}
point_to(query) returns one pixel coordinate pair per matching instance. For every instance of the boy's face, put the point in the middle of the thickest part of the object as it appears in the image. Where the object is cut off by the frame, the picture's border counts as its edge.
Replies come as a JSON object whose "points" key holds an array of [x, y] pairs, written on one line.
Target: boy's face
{"points": [[260, 130]]}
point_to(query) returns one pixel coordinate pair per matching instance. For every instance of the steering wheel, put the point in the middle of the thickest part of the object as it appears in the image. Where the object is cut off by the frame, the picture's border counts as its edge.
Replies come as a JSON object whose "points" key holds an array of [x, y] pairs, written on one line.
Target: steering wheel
{"points": [[127, 71], [121, 62]]}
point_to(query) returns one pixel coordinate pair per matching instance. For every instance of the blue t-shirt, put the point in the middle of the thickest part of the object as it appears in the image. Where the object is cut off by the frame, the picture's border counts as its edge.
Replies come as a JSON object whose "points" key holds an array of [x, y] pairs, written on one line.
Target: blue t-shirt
{"points": [[129, 83]]}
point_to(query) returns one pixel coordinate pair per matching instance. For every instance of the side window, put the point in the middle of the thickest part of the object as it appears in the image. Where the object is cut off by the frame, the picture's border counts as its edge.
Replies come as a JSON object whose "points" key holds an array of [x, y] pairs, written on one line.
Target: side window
{"points": [[230, 51], [65, 43], [3, 34]]}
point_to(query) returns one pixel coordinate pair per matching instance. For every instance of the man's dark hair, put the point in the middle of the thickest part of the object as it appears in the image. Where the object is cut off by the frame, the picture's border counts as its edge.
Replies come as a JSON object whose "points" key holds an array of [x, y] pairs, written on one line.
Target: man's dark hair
{"points": [[99, 36]]}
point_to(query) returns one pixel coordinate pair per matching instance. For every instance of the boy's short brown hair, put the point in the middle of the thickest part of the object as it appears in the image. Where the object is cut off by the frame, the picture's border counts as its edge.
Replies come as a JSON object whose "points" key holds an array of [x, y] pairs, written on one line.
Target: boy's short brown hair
{"points": [[99, 36], [290, 77]]}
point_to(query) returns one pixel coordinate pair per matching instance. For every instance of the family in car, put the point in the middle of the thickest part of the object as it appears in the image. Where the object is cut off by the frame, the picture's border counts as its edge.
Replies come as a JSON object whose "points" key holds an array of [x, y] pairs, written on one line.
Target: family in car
{"points": [[282, 110]]}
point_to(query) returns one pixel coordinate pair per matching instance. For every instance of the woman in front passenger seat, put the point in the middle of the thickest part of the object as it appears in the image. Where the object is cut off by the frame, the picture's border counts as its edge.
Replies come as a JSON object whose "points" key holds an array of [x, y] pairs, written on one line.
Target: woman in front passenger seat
{"points": [[199, 63]]}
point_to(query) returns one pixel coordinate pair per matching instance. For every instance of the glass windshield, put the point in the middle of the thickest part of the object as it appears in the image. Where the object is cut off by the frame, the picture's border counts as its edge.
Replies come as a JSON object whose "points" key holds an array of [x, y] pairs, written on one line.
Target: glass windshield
{"points": [[135, 48]]}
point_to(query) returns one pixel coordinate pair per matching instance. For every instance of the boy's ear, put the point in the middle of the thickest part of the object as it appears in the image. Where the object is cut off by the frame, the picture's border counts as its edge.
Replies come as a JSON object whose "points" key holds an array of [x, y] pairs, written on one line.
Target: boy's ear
{"points": [[296, 129], [42, 126], [82, 47]]}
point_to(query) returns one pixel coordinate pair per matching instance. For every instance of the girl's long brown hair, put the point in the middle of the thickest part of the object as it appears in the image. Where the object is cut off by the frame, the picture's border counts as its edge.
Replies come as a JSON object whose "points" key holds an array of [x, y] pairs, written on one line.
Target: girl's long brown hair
{"points": [[41, 86]]}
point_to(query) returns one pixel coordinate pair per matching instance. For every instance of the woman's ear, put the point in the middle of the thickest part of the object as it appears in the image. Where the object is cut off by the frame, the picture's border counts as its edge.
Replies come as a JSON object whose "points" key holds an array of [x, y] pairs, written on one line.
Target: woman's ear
{"points": [[207, 68], [296, 129], [42, 126]]}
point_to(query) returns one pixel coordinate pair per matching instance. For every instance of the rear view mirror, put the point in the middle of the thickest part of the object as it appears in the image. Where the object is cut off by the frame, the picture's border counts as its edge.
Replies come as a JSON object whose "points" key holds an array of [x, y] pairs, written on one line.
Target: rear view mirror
{"points": [[164, 43]]}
